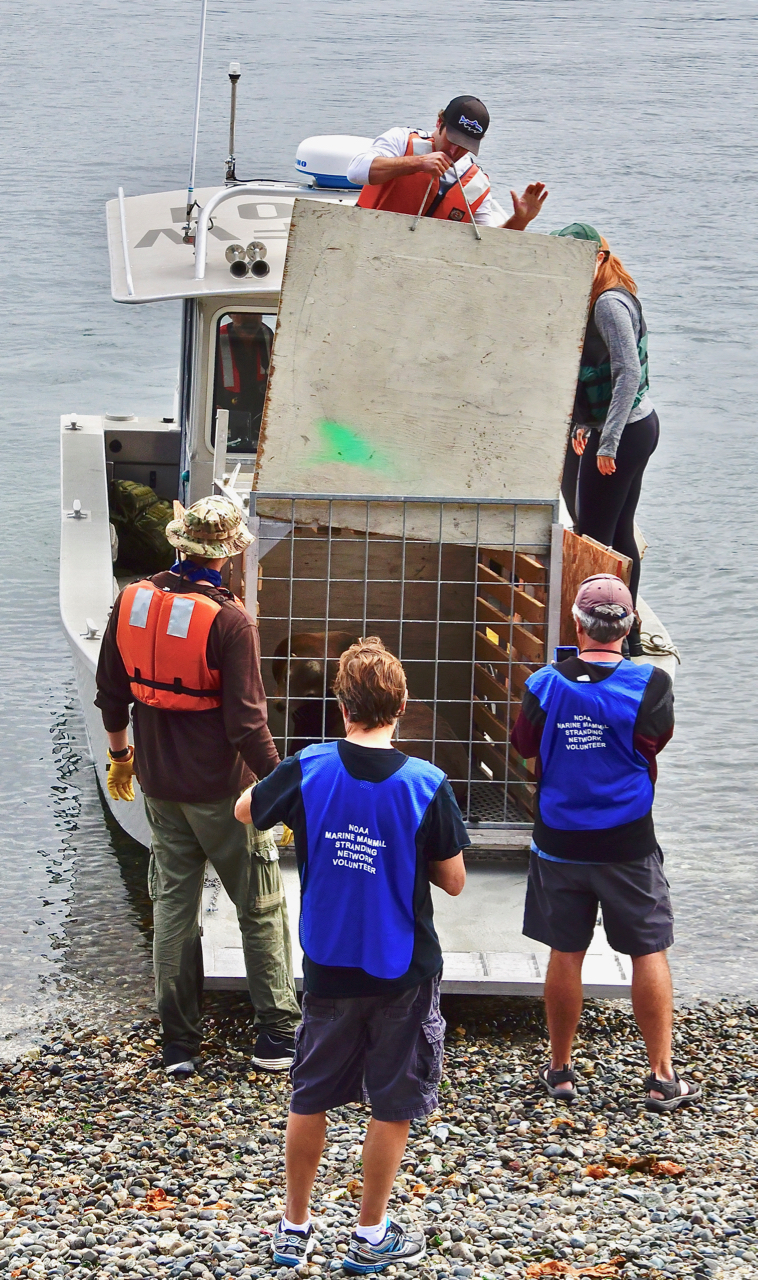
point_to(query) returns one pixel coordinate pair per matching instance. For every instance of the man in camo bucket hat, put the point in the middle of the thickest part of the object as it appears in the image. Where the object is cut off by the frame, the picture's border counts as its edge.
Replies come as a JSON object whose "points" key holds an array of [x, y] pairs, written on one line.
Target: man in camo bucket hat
{"points": [[211, 528], [182, 651]]}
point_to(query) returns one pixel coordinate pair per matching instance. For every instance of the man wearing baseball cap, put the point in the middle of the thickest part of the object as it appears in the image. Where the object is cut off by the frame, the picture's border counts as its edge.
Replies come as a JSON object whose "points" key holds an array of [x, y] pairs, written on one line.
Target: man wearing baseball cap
{"points": [[595, 724], [435, 174]]}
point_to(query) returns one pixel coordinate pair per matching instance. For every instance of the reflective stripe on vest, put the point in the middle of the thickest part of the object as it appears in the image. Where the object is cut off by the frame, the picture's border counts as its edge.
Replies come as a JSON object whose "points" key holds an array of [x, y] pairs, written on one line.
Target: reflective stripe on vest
{"points": [[592, 777], [229, 371], [357, 900], [162, 638], [595, 387], [405, 194]]}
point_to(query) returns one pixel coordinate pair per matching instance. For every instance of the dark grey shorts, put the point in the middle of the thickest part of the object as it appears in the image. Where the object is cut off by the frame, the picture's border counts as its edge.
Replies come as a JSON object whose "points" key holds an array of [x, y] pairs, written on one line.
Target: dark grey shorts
{"points": [[562, 900], [370, 1048]]}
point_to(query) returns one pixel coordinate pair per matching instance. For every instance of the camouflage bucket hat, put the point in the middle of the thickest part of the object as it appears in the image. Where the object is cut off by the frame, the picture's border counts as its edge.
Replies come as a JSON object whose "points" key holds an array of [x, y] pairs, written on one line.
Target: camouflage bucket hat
{"points": [[210, 528]]}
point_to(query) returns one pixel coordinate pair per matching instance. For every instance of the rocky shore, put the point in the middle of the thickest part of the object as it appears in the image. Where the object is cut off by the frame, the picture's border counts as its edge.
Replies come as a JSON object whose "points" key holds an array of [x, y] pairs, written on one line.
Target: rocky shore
{"points": [[108, 1169]]}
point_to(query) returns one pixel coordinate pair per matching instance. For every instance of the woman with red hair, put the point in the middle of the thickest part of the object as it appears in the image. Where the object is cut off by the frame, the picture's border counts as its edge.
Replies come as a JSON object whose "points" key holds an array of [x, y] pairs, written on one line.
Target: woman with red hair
{"points": [[615, 427]]}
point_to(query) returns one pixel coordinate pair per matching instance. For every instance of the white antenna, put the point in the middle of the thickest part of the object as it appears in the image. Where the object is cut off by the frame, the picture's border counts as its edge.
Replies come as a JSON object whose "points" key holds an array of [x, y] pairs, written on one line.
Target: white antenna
{"points": [[188, 237]]}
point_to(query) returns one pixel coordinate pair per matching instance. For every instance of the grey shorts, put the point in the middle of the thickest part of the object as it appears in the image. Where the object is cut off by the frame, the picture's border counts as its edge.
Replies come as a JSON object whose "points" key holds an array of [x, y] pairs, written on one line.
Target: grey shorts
{"points": [[387, 1051], [562, 900]]}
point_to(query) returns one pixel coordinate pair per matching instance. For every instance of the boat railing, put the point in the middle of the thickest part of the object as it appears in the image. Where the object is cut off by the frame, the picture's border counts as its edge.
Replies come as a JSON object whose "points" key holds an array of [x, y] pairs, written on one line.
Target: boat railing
{"points": [[206, 213]]}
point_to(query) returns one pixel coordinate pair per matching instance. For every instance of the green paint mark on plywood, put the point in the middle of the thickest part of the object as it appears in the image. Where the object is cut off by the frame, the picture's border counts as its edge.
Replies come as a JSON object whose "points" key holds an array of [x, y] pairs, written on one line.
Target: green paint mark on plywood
{"points": [[343, 444]]}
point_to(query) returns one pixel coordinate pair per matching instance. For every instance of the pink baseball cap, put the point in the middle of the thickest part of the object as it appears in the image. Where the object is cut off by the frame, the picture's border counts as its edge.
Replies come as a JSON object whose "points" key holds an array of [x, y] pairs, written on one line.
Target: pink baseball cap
{"points": [[604, 596]]}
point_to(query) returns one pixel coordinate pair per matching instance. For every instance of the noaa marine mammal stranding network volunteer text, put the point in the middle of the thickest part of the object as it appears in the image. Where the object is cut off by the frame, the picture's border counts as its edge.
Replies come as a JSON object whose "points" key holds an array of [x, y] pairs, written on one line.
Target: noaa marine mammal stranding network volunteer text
{"points": [[583, 733], [357, 848]]}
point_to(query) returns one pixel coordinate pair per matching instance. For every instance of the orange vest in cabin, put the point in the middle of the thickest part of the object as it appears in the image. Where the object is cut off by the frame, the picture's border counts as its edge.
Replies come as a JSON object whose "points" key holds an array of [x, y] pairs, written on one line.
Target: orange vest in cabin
{"points": [[404, 195], [162, 638], [230, 375]]}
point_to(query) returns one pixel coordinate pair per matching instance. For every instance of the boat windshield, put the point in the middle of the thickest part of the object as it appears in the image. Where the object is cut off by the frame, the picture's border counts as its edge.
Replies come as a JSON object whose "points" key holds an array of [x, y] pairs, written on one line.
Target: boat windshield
{"points": [[243, 352]]}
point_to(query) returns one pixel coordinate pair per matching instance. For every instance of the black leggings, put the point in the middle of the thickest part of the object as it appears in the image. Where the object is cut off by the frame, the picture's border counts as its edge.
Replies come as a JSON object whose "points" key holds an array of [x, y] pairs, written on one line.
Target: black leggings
{"points": [[605, 505]]}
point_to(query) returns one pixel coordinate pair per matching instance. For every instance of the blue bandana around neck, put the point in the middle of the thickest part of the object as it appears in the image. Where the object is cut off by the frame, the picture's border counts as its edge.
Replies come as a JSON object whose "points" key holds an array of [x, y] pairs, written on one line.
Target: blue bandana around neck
{"points": [[196, 572]]}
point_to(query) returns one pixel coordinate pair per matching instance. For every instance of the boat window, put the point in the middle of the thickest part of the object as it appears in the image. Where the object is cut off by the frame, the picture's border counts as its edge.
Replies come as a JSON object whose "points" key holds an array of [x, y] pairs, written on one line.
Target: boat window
{"points": [[243, 353]]}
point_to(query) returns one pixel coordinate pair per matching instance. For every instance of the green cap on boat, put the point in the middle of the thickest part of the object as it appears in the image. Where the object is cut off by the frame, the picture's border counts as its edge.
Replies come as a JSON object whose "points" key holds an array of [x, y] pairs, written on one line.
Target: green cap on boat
{"points": [[580, 231]]}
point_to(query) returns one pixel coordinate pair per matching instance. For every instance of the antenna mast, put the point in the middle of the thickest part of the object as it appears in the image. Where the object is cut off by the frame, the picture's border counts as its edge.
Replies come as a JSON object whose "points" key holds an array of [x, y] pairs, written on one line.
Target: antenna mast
{"points": [[188, 236], [234, 75]]}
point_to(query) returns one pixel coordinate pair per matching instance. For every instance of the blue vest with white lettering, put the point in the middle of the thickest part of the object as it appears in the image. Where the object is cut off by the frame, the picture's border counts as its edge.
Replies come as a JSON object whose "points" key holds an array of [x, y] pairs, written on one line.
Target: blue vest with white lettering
{"points": [[592, 775], [358, 886]]}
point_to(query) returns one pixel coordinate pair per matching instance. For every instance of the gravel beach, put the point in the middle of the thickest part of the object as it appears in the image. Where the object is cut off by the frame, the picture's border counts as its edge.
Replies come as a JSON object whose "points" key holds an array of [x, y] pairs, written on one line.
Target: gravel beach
{"points": [[107, 1168]]}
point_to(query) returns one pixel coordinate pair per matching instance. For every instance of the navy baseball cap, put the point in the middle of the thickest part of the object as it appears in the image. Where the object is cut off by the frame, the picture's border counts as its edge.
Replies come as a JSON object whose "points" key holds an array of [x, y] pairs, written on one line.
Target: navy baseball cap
{"points": [[466, 122]]}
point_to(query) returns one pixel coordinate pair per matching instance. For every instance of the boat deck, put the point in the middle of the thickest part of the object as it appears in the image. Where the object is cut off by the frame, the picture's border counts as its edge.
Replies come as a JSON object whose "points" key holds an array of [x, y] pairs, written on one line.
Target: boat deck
{"points": [[485, 952]]}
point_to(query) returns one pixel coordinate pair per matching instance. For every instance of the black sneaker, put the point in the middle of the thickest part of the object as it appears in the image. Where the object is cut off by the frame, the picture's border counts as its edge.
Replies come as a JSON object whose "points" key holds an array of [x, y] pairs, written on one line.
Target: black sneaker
{"points": [[273, 1052], [407, 1247], [178, 1061], [291, 1248]]}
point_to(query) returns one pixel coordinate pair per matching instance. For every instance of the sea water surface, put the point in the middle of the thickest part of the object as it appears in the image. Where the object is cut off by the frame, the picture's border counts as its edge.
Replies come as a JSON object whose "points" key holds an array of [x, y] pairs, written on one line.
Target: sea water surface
{"points": [[639, 118]]}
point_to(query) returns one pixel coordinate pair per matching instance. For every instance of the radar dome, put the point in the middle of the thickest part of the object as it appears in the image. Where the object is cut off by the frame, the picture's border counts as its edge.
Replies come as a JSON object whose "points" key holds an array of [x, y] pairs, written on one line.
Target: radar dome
{"points": [[325, 159]]}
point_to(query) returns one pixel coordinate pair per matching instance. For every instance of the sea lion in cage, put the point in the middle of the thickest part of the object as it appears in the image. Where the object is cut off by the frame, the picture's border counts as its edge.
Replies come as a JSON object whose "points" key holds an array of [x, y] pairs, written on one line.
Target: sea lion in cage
{"points": [[315, 717]]}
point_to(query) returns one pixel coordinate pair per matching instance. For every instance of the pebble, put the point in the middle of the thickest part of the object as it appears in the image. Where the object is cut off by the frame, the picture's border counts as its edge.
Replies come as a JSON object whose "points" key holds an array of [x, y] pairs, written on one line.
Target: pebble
{"points": [[108, 1168]]}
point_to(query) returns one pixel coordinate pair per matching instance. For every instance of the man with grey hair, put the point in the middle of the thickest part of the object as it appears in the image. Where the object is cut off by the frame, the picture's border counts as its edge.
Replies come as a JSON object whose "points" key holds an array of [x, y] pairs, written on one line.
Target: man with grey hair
{"points": [[595, 724]]}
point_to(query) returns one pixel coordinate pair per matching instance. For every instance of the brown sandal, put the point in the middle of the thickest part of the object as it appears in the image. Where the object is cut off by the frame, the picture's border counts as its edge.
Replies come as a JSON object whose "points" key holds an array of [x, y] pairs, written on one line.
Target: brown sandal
{"points": [[553, 1076], [673, 1096]]}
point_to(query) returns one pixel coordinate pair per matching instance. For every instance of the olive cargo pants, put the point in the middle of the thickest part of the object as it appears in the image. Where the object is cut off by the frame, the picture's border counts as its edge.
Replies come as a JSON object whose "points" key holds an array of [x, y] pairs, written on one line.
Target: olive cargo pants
{"points": [[247, 864]]}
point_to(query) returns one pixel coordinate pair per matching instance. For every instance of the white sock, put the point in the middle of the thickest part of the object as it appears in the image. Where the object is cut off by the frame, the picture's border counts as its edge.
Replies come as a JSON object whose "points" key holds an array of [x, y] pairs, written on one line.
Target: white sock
{"points": [[286, 1225], [373, 1235]]}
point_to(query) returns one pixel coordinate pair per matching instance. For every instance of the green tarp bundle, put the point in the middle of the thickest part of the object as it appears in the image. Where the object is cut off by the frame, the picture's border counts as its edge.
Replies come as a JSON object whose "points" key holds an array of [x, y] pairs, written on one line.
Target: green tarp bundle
{"points": [[140, 518]]}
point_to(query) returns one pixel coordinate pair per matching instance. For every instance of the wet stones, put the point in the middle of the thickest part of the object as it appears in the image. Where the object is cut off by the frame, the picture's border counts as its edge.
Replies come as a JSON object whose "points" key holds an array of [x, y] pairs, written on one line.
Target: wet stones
{"points": [[108, 1169]]}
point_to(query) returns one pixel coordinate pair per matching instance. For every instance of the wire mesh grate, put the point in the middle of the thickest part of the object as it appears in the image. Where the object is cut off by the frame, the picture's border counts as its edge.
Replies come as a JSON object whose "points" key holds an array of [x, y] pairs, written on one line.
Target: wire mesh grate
{"points": [[459, 590]]}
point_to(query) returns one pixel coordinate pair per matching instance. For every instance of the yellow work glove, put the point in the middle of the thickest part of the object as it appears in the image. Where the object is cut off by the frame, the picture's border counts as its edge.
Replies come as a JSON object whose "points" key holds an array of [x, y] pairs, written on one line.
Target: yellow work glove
{"points": [[120, 773], [287, 836]]}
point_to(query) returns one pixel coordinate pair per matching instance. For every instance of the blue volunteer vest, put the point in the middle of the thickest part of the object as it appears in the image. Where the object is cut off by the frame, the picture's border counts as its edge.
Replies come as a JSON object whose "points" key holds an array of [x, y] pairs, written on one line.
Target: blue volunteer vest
{"points": [[357, 894], [592, 775]]}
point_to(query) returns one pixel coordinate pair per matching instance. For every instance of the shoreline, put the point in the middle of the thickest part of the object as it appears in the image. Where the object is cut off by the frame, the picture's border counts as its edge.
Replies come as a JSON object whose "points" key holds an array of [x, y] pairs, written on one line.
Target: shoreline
{"points": [[108, 1168]]}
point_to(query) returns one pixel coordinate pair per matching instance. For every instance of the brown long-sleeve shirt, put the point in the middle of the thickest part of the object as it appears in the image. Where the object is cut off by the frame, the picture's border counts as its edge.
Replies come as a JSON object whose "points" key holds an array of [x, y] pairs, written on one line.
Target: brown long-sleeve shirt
{"points": [[196, 756]]}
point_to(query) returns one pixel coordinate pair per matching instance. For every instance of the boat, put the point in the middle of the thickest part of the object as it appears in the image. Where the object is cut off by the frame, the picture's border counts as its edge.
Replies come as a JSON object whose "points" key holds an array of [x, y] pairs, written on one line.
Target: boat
{"points": [[235, 249]]}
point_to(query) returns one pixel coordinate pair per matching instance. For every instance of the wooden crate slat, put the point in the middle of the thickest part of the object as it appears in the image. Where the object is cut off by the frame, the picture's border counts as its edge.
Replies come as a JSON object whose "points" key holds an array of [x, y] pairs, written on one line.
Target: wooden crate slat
{"points": [[512, 597], [486, 651], [530, 646], [495, 760], [489, 723], [525, 566], [492, 691], [498, 732]]}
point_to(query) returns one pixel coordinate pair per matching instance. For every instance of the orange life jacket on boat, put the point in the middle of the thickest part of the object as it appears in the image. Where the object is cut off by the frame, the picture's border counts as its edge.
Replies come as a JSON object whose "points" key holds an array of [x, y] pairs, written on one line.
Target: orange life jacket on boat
{"points": [[162, 638], [405, 194], [230, 375]]}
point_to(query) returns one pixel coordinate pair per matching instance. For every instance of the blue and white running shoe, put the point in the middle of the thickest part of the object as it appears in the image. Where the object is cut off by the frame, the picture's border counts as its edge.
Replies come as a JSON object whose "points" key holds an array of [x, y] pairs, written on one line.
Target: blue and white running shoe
{"points": [[407, 1247], [291, 1248]]}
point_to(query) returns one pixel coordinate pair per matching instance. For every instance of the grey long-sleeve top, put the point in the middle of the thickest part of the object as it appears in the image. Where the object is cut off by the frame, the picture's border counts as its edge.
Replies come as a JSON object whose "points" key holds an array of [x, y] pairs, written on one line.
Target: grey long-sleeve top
{"points": [[619, 325]]}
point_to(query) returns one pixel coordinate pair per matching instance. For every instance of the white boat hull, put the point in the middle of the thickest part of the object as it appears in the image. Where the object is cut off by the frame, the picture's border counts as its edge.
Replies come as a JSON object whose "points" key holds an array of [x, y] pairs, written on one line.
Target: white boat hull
{"points": [[485, 951]]}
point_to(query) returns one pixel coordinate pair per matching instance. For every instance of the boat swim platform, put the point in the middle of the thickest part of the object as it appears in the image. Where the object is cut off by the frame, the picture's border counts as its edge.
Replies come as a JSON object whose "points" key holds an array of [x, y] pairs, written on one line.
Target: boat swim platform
{"points": [[484, 950]]}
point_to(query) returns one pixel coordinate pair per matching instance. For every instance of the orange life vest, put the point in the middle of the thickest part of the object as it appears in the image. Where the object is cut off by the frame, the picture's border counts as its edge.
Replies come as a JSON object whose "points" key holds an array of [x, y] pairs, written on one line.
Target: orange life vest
{"points": [[162, 638], [404, 195], [230, 376]]}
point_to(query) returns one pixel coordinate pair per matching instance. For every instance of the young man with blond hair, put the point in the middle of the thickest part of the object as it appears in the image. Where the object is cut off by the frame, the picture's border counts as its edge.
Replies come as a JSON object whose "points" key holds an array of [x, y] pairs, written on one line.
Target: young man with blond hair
{"points": [[374, 829]]}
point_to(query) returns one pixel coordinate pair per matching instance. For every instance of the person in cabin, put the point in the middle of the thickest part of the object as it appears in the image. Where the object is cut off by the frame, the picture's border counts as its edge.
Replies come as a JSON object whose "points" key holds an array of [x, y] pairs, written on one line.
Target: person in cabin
{"points": [[373, 830], [615, 426], [181, 650], [595, 724], [435, 174], [243, 355]]}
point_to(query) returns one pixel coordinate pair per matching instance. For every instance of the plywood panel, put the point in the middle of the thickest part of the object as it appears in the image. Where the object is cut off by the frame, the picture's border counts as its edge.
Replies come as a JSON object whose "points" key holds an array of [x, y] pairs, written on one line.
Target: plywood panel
{"points": [[583, 557], [365, 394]]}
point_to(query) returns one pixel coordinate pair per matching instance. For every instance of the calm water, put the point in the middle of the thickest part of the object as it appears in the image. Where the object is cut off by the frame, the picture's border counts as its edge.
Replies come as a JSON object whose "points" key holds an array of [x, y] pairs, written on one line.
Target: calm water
{"points": [[637, 117]]}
